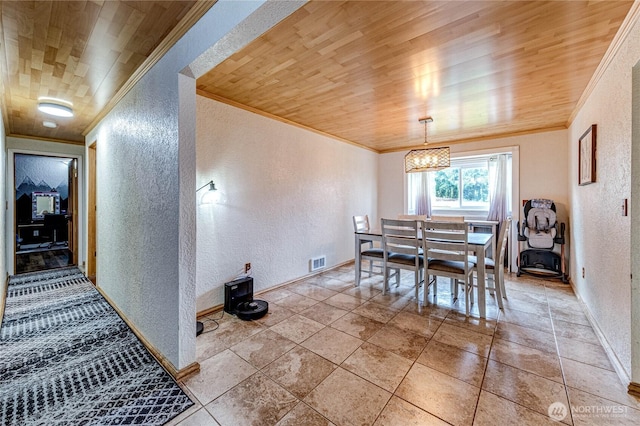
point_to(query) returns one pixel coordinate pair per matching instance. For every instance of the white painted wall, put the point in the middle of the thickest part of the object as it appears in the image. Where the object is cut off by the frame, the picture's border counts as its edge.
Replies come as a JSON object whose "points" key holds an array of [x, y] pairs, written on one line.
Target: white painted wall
{"points": [[290, 196], [601, 235], [3, 211], [543, 170], [39, 147], [146, 184]]}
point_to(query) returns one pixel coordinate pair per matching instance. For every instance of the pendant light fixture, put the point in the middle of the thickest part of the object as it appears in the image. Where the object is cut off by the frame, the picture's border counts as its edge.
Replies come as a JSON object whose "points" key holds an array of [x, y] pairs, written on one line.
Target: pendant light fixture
{"points": [[426, 159]]}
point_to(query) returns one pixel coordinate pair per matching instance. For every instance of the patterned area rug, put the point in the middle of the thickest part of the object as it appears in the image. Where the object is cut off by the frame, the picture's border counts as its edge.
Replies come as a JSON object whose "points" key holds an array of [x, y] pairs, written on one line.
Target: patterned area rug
{"points": [[67, 358]]}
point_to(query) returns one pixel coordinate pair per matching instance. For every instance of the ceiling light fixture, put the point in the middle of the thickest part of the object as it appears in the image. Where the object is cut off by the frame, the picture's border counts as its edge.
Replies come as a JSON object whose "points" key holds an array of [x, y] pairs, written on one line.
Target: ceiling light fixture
{"points": [[55, 109], [50, 124], [426, 159]]}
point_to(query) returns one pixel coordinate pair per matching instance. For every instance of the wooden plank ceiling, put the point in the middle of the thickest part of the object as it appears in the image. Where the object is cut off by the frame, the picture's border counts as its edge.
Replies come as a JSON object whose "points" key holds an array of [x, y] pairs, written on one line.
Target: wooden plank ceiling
{"points": [[81, 52], [366, 71]]}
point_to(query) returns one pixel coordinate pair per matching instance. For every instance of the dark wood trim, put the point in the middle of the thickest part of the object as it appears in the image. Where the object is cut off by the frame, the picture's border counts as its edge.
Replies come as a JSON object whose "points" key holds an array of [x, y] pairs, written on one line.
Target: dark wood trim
{"points": [[3, 298], [634, 389], [91, 213]]}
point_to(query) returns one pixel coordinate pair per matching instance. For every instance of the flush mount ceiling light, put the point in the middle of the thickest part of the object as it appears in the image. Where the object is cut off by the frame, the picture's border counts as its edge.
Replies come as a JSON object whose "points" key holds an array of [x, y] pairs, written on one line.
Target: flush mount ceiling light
{"points": [[50, 124], [55, 109], [427, 159]]}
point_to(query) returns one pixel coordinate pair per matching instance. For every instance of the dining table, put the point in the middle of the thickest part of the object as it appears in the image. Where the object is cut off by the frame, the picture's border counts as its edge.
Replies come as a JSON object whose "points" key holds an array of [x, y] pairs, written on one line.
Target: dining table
{"points": [[478, 242]]}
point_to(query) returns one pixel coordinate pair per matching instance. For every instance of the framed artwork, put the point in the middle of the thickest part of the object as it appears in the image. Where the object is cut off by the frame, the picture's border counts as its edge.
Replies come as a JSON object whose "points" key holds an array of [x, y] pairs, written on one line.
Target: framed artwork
{"points": [[587, 157]]}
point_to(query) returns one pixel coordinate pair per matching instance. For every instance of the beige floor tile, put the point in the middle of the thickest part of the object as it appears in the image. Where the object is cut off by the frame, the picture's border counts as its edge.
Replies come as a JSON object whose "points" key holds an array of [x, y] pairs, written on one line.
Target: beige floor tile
{"points": [[588, 353], [230, 331], [299, 370], [533, 307], [363, 292], [570, 315], [323, 313], [275, 314], [527, 336], [480, 325], [344, 301], [393, 301], [332, 344], [493, 410], [425, 326], [357, 325], [526, 358], [311, 291], [296, 302], [199, 418], [575, 331], [453, 361], [520, 285], [334, 283], [401, 342], [401, 413], [262, 348], [217, 375], [302, 414], [256, 401], [375, 311], [588, 409], [377, 365], [528, 296], [275, 295], [526, 319], [297, 328], [463, 338], [340, 398], [439, 394], [597, 381], [428, 310], [524, 388]]}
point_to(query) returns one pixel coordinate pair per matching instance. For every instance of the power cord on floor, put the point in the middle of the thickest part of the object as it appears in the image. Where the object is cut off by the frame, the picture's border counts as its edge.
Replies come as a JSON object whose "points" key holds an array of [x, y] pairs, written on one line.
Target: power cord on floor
{"points": [[213, 320]]}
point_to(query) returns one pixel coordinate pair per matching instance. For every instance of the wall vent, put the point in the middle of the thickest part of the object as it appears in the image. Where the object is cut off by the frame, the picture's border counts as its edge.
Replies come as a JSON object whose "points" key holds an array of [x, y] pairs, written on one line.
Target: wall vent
{"points": [[317, 263]]}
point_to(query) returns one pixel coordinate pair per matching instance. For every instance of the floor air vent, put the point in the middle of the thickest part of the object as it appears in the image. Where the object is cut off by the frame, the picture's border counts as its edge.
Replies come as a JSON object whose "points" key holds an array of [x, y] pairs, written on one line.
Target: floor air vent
{"points": [[317, 263]]}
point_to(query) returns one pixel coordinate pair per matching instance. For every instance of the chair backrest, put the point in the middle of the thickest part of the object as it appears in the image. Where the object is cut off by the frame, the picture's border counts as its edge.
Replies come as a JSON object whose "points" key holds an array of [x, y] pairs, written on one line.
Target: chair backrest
{"points": [[412, 217], [503, 236], [361, 223], [446, 241], [438, 218], [400, 236]]}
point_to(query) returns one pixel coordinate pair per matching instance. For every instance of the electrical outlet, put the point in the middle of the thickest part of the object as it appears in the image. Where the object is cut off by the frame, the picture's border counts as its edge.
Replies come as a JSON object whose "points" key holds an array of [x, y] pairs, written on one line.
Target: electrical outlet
{"points": [[247, 267], [582, 272]]}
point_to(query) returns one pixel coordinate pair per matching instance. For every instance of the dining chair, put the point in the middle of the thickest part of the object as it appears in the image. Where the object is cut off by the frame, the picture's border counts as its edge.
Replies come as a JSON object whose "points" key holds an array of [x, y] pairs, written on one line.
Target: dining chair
{"points": [[421, 217], [401, 250], [371, 253], [446, 248], [495, 267]]}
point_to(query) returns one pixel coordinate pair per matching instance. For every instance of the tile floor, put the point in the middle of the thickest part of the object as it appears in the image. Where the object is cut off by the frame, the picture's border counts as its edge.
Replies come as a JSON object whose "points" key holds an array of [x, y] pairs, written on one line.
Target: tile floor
{"points": [[329, 353]]}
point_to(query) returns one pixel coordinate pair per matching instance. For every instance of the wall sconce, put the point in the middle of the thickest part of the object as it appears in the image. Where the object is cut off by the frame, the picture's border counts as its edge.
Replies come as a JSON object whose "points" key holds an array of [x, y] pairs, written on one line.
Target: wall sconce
{"points": [[212, 196]]}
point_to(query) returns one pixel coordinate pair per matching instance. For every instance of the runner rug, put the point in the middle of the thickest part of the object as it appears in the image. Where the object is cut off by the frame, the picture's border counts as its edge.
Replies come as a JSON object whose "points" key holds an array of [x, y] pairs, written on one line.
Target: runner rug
{"points": [[67, 358]]}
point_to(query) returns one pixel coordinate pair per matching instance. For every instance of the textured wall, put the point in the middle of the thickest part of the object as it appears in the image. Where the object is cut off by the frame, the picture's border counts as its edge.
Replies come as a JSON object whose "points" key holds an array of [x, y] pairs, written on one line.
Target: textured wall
{"points": [[601, 235], [290, 196], [146, 189], [3, 212]]}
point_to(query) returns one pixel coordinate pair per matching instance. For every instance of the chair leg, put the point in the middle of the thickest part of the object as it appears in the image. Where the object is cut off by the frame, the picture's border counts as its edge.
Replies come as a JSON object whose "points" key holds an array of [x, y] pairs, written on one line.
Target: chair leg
{"points": [[468, 290], [498, 291]]}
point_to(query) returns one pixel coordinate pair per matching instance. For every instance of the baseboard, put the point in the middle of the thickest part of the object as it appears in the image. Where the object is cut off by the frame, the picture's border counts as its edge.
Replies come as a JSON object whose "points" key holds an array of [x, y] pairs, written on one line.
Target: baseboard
{"points": [[166, 364], [613, 358], [217, 308]]}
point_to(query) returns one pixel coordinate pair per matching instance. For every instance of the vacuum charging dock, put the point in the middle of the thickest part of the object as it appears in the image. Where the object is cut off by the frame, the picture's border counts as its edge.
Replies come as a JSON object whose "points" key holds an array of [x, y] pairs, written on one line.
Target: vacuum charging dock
{"points": [[238, 300]]}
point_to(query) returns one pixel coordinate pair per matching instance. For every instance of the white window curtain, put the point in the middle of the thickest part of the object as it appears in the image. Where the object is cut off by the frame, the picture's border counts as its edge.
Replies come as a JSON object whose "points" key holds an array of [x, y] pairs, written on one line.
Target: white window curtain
{"points": [[422, 195], [498, 194]]}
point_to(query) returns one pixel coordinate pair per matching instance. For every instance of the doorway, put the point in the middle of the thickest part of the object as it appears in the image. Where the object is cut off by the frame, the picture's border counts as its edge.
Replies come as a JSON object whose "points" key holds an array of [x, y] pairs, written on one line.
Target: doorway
{"points": [[45, 212]]}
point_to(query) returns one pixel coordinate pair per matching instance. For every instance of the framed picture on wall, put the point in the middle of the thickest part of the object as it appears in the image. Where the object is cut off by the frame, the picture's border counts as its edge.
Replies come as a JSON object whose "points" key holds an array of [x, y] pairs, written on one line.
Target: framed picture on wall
{"points": [[587, 157]]}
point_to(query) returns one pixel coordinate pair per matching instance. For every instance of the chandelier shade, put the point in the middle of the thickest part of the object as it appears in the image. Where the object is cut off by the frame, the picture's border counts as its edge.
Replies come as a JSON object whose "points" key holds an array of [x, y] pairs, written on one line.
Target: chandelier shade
{"points": [[427, 160]]}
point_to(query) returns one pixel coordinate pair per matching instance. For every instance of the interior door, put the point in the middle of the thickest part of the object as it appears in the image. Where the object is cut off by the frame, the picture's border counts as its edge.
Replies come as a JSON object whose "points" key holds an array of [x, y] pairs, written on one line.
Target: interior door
{"points": [[72, 224]]}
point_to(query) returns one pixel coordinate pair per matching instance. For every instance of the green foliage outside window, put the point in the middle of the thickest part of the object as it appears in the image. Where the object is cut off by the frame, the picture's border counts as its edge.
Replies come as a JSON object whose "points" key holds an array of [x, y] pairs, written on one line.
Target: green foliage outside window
{"points": [[447, 184]]}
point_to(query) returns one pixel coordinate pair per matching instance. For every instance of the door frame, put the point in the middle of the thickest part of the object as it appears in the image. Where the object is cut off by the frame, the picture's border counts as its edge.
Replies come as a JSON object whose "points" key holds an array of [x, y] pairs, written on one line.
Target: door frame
{"points": [[10, 189], [92, 216]]}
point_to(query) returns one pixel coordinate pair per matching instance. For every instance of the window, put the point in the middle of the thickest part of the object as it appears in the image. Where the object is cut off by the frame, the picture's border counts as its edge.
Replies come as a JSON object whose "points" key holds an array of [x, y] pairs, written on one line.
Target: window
{"points": [[463, 188]]}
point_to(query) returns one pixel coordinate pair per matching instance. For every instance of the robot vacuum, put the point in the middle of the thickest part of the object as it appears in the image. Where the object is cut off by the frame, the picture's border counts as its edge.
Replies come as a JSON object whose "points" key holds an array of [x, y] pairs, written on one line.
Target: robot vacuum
{"points": [[239, 301]]}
